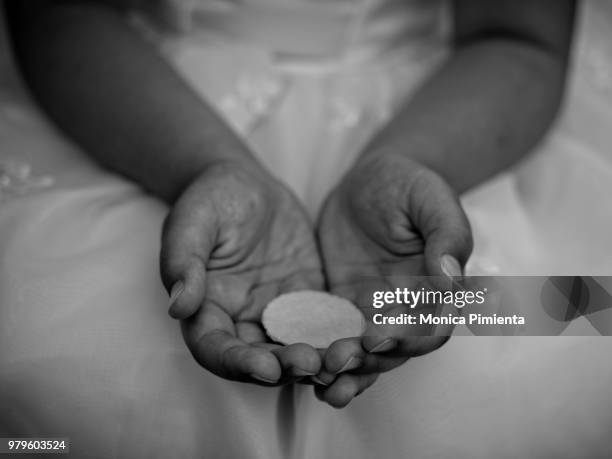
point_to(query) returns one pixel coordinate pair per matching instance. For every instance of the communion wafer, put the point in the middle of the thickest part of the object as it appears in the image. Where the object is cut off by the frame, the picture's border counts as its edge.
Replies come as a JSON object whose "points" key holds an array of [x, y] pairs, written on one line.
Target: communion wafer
{"points": [[311, 317]]}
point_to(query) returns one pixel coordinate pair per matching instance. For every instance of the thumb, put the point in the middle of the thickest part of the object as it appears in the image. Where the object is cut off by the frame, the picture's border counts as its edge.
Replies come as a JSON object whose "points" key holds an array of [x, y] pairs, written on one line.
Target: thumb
{"points": [[446, 230], [447, 249], [188, 238]]}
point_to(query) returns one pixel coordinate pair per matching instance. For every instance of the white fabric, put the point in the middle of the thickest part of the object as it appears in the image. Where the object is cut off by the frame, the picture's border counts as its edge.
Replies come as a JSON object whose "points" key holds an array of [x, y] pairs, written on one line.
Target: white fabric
{"points": [[86, 348]]}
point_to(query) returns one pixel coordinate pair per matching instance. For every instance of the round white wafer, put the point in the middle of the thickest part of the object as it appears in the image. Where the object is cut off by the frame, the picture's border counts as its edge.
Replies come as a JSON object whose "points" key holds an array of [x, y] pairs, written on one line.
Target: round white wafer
{"points": [[311, 317]]}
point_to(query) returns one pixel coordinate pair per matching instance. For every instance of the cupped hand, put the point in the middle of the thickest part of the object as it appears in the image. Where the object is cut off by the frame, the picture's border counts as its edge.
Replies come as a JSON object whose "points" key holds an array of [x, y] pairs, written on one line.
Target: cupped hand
{"points": [[234, 240], [389, 223]]}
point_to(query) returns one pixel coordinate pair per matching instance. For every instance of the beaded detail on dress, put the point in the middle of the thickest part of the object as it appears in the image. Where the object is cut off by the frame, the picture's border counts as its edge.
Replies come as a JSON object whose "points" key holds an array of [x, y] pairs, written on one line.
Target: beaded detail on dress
{"points": [[254, 98], [333, 33], [17, 179]]}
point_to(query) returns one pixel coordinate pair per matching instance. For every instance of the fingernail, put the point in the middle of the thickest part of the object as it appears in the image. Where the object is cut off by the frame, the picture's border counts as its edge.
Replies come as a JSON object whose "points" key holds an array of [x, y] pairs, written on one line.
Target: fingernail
{"points": [[318, 381], [176, 291], [301, 372], [383, 346], [450, 266], [350, 364], [263, 378]]}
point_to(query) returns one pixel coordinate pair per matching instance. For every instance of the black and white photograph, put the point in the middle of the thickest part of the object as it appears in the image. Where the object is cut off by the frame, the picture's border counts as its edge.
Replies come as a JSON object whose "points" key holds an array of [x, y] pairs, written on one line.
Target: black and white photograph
{"points": [[306, 229]]}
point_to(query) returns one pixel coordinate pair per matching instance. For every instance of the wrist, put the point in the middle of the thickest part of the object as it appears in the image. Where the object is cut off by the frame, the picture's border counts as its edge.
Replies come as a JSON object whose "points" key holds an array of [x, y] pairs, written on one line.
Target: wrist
{"points": [[382, 169], [249, 179], [419, 152], [197, 160]]}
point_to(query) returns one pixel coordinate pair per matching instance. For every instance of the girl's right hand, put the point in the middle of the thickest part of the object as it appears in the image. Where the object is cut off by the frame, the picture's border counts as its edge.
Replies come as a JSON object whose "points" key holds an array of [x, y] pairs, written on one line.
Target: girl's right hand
{"points": [[234, 240]]}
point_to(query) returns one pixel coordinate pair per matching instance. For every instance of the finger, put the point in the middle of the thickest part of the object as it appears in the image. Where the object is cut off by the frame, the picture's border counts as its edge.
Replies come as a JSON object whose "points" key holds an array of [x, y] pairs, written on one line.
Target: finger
{"points": [[210, 336], [319, 392], [392, 341], [345, 389], [231, 358], [323, 378], [379, 363], [299, 359], [267, 346], [344, 355], [185, 251], [414, 346], [444, 226], [250, 332], [378, 343]]}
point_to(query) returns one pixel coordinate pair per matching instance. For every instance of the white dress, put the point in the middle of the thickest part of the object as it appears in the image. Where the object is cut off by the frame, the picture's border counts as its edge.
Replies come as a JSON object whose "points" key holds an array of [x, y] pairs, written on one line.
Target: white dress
{"points": [[87, 350]]}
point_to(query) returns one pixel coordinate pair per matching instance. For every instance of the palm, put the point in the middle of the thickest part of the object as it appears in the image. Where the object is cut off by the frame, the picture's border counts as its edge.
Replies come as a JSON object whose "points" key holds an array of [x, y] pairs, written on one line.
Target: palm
{"points": [[386, 227], [273, 252], [240, 239], [355, 257], [359, 259]]}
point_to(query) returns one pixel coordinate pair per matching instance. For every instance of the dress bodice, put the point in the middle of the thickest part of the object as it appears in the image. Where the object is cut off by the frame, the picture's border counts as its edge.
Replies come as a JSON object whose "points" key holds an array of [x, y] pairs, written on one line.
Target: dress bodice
{"points": [[307, 27]]}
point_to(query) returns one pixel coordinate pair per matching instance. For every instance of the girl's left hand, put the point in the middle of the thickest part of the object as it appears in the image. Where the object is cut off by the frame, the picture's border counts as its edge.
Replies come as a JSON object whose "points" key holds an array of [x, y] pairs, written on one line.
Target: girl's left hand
{"points": [[390, 221]]}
